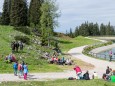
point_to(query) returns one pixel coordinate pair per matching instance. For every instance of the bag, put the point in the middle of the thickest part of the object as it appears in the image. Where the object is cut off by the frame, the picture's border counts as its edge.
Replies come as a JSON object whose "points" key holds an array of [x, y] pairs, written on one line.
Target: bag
{"points": [[15, 65], [71, 78]]}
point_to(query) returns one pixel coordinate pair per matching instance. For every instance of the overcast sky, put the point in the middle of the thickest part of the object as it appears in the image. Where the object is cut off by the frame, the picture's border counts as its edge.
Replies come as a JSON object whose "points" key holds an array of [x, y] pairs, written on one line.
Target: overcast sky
{"points": [[75, 12]]}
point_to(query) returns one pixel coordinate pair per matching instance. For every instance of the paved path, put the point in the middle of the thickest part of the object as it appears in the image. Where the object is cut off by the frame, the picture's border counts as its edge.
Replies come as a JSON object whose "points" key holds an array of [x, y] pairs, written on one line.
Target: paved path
{"points": [[100, 66], [38, 76]]}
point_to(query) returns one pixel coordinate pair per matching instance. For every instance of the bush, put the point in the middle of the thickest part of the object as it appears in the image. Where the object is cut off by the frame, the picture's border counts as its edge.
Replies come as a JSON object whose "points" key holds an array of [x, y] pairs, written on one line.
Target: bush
{"points": [[23, 29], [44, 41], [89, 48], [24, 39]]}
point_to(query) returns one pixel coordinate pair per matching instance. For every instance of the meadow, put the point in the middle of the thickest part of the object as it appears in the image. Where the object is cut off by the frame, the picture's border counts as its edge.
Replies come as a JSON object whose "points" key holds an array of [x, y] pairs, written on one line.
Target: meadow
{"points": [[32, 56], [63, 82]]}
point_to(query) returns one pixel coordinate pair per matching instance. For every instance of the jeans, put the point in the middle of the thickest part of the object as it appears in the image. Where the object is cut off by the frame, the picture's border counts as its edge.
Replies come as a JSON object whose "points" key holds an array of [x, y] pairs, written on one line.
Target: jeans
{"points": [[79, 75], [15, 72]]}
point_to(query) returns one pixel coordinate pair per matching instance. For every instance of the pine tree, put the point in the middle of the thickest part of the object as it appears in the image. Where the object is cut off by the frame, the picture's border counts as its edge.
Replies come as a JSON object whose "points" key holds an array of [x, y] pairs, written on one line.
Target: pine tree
{"points": [[76, 32], [102, 29], [91, 29], [108, 29], [71, 33], [95, 30], [6, 12], [19, 12], [35, 12]]}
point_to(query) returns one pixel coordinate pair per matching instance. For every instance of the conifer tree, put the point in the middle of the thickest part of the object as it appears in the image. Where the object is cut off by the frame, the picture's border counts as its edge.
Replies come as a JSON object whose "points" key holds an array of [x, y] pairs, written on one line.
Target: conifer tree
{"points": [[6, 12], [35, 12], [76, 32], [18, 14], [102, 29]]}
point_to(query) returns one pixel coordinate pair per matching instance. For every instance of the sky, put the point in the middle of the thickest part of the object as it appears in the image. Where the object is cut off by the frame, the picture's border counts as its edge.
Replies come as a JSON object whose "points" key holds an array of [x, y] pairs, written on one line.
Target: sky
{"points": [[76, 12]]}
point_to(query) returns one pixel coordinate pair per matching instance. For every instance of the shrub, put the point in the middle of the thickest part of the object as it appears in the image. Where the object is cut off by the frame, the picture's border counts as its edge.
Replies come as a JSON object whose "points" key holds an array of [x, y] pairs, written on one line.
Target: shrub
{"points": [[89, 48], [23, 29], [44, 41], [24, 39]]}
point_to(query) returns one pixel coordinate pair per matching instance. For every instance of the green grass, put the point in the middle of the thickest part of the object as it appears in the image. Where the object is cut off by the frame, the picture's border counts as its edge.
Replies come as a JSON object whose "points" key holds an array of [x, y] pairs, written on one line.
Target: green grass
{"points": [[69, 43], [60, 83], [35, 63]]}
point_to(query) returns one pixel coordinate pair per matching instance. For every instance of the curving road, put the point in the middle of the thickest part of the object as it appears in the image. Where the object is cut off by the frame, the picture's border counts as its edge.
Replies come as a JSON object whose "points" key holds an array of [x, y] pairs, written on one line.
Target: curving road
{"points": [[100, 67]]}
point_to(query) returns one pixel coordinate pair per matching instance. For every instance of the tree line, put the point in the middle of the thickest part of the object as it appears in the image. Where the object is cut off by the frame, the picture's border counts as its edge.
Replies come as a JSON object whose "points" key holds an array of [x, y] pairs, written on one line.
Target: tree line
{"points": [[92, 29], [39, 14]]}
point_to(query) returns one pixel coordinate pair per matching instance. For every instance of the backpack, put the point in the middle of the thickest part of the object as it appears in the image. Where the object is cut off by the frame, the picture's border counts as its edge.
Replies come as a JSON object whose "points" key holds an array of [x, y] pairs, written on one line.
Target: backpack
{"points": [[19, 67], [71, 78], [15, 66]]}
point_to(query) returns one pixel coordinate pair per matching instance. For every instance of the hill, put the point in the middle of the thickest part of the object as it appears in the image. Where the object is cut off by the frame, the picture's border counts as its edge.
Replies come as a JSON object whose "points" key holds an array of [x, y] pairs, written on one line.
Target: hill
{"points": [[30, 54], [32, 51]]}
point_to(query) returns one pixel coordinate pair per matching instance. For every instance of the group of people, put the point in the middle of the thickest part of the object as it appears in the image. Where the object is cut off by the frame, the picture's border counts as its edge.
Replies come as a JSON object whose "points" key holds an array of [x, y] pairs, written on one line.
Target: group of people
{"points": [[16, 45], [10, 58], [109, 74], [60, 61], [54, 59], [84, 76], [20, 69]]}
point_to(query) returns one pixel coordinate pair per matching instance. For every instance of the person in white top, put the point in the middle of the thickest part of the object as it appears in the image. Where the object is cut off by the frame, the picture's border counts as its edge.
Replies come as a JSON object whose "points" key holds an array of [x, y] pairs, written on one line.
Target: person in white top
{"points": [[95, 75]]}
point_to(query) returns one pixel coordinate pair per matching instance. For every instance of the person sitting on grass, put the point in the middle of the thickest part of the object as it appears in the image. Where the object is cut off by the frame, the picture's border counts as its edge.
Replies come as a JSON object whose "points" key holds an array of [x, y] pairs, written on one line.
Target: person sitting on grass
{"points": [[68, 62], [112, 77], [10, 58], [94, 76], [86, 76]]}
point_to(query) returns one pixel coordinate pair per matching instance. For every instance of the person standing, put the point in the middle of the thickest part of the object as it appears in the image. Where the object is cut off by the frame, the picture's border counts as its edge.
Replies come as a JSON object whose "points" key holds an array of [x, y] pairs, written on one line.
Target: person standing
{"points": [[15, 66], [13, 47], [25, 71], [110, 56], [19, 69], [21, 45], [78, 72], [17, 46]]}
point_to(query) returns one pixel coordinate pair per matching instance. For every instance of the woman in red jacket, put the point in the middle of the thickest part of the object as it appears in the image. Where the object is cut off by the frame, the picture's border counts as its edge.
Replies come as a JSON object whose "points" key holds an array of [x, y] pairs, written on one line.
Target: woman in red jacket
{"points": [[78, 72]]}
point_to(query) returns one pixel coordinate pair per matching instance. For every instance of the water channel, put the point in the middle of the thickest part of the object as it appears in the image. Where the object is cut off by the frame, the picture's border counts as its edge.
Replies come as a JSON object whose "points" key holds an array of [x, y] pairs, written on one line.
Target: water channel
{"points": [[106, 54]]}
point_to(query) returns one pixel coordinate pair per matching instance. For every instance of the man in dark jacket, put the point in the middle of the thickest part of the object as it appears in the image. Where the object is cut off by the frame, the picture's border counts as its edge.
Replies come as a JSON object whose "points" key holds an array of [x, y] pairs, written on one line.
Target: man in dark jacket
{"points": [[17, 45], [107, 70], [86, 76]]}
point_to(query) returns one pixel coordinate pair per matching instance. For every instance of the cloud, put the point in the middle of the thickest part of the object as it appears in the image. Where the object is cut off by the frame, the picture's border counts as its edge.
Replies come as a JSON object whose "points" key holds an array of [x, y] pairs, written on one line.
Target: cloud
{"points": [[1, 5], [75, 12]]}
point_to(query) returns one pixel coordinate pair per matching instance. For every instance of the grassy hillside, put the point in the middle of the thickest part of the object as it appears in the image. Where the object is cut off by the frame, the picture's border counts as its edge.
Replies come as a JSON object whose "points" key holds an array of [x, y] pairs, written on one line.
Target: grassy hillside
{"points": [[67, 43], [31, 56], [61, 83]]}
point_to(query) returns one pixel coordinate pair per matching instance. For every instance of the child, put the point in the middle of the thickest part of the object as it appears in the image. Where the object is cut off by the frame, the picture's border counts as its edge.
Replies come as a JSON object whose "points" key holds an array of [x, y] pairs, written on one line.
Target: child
{"points": [[25, 71]]}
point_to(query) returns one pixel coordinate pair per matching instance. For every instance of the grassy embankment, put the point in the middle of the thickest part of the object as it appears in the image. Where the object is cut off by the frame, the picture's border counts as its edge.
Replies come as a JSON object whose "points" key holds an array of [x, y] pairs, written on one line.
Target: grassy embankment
{"points": [[31, 56], [60, 83]]}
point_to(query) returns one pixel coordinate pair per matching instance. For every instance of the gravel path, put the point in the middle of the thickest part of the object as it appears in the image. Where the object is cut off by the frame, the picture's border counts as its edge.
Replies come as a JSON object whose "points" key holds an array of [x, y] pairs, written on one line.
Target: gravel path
{"points": [[100, 67]]}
